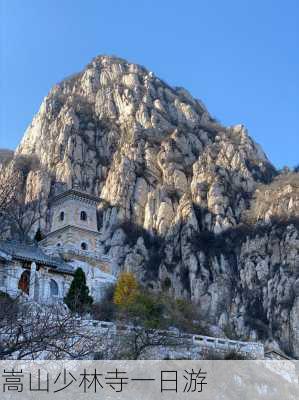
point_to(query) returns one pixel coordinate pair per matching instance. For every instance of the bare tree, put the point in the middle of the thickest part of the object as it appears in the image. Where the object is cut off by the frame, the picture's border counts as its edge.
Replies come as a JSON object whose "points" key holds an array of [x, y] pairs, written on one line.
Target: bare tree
{"points": [[17, 216], [139, 341], [30, 331], [21, 217]]}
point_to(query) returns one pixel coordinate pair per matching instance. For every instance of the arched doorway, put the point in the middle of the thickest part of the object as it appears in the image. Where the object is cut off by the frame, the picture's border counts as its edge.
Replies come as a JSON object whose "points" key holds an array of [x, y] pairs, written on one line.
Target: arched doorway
{"points": [[24, 282], [53, 288]]}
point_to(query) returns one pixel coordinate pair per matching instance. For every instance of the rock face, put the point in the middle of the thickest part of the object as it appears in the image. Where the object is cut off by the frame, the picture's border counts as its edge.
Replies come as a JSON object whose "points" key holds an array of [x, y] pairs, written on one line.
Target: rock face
{"points": [[5, 156], [175, 187]]}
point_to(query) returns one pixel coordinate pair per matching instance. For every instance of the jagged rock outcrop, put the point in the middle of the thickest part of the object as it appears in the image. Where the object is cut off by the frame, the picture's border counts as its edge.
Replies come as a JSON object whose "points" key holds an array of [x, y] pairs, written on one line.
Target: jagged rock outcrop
{"points": [[280, 199], [175, 187]]}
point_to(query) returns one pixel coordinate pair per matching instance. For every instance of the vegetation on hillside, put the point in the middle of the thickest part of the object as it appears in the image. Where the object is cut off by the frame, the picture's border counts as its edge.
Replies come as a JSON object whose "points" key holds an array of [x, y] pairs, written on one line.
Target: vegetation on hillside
{"points": [[131, 303], [126, 290], [281, 196]]}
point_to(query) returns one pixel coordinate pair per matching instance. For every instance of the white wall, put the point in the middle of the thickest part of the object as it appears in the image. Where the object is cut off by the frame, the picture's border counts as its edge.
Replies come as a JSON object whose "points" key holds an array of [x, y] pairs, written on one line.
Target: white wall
{"points": [[39, 287], [72, 210]]}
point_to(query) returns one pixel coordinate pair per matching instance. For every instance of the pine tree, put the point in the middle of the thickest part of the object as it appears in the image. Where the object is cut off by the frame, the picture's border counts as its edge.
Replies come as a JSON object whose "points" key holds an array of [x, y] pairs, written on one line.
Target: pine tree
{"points": [[126, 290], [78, 298]]}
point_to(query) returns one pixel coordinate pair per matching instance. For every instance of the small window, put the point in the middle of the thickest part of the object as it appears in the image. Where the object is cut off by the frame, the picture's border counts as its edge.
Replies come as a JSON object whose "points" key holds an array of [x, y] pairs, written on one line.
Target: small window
{"points": [[83, 216], [84, 246], [61, 216], [53, 288]]}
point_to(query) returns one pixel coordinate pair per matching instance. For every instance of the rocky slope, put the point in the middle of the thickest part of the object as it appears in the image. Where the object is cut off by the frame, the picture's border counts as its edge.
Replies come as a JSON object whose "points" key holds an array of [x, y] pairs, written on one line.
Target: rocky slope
{"points": [[176, 186]]}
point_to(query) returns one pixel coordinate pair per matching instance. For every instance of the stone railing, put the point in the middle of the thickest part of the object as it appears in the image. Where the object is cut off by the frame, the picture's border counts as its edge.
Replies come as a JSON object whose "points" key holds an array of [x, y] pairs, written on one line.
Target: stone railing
{"points": [[226, 346], [200, 344]]}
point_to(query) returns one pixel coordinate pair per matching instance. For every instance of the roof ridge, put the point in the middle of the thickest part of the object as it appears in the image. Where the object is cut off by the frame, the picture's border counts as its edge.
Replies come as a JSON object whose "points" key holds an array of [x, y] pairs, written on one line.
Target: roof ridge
{"points": [[75, 192]]}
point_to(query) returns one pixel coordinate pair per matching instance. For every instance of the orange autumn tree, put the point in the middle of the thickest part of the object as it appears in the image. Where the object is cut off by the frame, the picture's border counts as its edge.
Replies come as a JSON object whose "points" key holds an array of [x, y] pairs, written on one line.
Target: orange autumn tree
{"points": [[126, 290]]}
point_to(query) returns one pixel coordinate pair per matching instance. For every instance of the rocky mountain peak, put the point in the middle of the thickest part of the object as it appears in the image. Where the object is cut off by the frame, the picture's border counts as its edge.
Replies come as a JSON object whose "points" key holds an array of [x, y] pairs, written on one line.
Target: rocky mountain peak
{"points": [[116, 121], [175, 186]]}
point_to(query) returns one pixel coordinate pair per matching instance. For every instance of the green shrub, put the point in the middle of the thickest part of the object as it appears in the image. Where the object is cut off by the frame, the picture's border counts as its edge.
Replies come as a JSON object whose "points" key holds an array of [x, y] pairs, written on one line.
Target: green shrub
{"points": [[147, 310], [184, 315]]}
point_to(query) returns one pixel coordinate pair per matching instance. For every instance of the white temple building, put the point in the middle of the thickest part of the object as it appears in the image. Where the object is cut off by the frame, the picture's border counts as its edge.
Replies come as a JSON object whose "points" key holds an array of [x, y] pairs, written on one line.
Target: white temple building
{"points": [[43, 272]]}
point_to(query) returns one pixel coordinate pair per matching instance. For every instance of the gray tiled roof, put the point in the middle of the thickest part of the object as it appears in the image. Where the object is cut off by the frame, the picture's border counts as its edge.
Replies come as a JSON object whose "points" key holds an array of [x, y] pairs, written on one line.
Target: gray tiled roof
{"points": [[5, 256], [33, 253], [77, 194]]}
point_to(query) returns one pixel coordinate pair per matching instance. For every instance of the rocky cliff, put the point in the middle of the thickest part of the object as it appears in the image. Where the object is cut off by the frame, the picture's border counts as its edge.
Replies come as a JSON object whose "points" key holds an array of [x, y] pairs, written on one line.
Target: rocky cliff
{"points": [[183, 197]]}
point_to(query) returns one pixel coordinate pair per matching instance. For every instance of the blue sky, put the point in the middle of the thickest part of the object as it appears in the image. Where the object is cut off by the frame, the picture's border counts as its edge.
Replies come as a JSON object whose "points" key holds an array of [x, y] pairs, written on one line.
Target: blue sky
{"points": [[241, 57]]}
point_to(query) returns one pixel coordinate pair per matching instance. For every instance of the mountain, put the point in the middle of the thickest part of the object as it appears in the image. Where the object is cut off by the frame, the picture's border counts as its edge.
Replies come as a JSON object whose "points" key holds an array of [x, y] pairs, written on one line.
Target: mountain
{"points": [[190, 206]]}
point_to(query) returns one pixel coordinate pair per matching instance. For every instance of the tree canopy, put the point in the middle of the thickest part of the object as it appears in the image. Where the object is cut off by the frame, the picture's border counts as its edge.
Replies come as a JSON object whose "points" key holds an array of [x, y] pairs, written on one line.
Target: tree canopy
{"points": [[78, 298], [126, 290]]}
